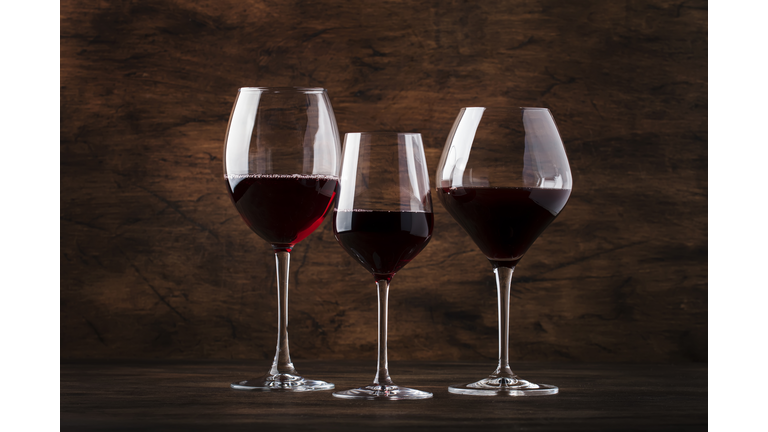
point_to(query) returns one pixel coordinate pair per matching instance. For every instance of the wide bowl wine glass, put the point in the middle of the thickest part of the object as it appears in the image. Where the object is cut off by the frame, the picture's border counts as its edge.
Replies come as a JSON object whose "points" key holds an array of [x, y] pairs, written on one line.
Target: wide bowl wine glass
{"points": [[281, 167], [383, 219], [504, 177]]}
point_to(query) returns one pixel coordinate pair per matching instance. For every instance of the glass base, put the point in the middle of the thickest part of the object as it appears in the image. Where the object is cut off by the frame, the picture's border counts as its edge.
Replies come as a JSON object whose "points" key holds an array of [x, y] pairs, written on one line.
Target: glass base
{"points": [[378, 392], [282, 382], [494, 386]]}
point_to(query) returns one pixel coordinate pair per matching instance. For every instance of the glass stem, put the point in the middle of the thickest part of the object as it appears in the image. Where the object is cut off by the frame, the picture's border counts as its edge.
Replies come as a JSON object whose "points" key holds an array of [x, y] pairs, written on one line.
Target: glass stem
{"points": [[503, 285], [382, 368], [282, 363]]}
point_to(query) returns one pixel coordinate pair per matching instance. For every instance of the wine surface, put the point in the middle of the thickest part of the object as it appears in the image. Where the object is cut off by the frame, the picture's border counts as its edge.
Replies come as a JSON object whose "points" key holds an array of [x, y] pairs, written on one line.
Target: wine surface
{"points": [[383, 242], [503, 222], [282, 209]]}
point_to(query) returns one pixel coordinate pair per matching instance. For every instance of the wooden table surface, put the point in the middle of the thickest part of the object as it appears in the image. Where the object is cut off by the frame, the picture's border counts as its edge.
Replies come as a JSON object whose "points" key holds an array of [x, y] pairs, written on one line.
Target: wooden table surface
{"points": [[195, 396]]}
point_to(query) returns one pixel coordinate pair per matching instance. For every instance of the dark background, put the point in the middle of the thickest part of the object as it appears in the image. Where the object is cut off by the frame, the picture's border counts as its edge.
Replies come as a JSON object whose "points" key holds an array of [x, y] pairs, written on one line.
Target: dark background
{"points": [[156, 263]]}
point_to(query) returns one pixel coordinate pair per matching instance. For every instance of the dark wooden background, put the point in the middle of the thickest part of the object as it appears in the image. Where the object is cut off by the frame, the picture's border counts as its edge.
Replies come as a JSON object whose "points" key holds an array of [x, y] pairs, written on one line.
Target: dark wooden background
{"points": [[156, 263]]}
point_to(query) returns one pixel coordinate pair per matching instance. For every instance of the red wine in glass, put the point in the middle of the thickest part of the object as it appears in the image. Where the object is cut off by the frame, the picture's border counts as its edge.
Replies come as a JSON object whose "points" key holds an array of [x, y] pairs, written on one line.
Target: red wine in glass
{"points": [[383, 241], [503, 221], [281, 169], [504, 177], [383, 219], [283, 209]]}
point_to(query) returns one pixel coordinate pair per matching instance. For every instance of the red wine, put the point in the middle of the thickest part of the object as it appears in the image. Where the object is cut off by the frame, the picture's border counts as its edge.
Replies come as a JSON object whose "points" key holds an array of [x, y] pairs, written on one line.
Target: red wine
{"points": [[503, 222], [282, 209], [383, 242]]}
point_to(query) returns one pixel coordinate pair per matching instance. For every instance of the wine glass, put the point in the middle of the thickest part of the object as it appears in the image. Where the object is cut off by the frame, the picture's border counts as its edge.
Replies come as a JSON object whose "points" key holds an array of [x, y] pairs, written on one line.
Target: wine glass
{"points": [[383, 219], [281, 167], [504, 177]]}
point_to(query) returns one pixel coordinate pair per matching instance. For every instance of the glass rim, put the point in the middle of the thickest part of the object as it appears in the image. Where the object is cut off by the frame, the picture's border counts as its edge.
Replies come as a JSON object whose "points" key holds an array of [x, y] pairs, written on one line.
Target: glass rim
{"points": [[382, 133], [508, 108], [283, 89]]}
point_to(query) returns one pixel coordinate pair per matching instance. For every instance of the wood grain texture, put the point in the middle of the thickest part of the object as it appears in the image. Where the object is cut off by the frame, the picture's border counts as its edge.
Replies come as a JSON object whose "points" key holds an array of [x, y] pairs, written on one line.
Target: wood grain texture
{"points": [[156, 263], [194, 396]]}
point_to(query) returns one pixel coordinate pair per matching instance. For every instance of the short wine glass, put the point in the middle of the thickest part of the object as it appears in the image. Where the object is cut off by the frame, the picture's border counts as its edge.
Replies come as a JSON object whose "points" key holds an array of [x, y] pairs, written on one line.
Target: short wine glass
{"points": [[281, 166], [504, 177], [383, 219]]}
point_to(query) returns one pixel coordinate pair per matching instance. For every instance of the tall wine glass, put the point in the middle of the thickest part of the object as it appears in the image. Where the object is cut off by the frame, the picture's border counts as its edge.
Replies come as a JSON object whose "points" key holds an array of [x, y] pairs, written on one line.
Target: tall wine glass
{"points": [[383, 219], [281, 167], [504, 177]]}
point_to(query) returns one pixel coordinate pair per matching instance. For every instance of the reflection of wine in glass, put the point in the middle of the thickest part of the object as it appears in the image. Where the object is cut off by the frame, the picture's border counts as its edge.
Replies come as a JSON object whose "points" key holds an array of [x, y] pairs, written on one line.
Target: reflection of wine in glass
{"points": [[504, 177], [281, 167], [383, 220]]}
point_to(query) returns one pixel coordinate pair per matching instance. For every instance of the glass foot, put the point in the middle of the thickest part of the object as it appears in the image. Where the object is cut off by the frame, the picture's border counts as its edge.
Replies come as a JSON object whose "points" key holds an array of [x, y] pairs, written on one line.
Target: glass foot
{"points": [[282, 382], [378, 392], [494, 386]]}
